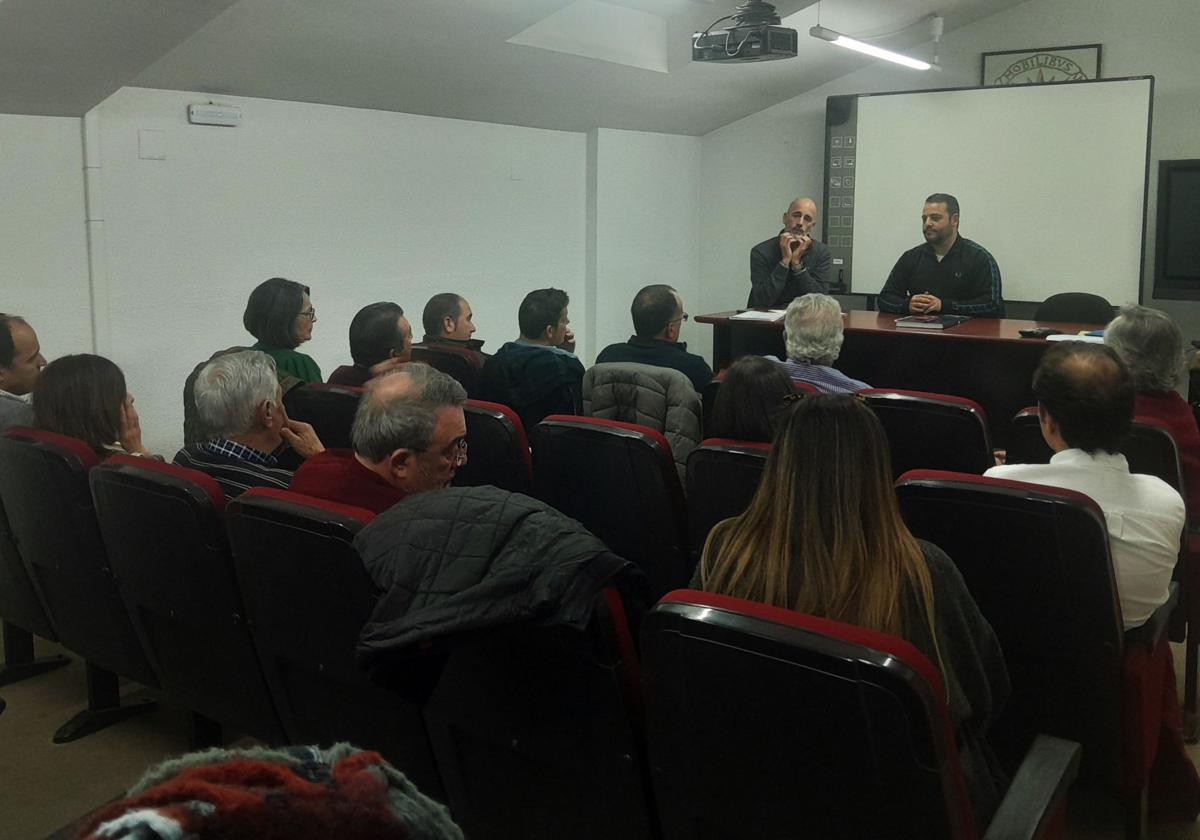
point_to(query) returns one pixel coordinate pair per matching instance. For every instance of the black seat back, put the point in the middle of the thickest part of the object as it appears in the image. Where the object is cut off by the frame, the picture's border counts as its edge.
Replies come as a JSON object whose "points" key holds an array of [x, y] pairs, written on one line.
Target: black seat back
{"points": [[722, 477], [499, 451], [455, 364], [766, 723], [535, 733], [1075, 308], [164, 530], [329, 408], [307, 596], [45, 492], [620, 481], [1036, 561], [932, 431]]}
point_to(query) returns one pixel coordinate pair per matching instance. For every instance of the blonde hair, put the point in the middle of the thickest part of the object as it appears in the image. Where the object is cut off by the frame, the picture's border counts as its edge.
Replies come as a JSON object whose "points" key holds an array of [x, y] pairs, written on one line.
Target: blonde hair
{"points": [[823, 533]]}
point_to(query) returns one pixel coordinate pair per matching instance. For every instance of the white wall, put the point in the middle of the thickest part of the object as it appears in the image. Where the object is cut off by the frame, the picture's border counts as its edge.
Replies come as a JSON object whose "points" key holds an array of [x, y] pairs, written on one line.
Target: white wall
{"points": [[1156, 37], [43, 240], [647, 212], [360, 205]]}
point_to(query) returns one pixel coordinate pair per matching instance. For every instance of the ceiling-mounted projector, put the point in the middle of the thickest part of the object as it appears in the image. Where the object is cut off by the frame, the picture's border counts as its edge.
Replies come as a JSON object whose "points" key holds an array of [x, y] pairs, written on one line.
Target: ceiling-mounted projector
{"points": [[754, 36]]}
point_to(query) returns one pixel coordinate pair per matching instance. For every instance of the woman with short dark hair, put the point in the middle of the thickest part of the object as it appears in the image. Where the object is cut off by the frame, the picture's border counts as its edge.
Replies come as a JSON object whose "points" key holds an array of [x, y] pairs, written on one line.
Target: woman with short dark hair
{"points": [[281, 316], [823, 536], [751, 395], [84, 396]]}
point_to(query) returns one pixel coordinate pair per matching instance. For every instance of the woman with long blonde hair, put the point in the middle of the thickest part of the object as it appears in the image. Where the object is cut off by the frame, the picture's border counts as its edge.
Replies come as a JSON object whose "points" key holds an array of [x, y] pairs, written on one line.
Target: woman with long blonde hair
{"points": [[823, 536]]}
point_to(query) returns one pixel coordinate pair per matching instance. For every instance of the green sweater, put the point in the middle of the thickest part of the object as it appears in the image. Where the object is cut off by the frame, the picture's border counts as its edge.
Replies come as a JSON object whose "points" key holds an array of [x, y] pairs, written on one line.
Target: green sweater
{"points": [[292, 362]]}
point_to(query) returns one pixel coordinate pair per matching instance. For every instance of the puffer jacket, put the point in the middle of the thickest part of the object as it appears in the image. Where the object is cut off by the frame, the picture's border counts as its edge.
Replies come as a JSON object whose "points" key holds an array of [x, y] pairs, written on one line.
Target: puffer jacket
{"points": [[468, 558], [658, 397]]}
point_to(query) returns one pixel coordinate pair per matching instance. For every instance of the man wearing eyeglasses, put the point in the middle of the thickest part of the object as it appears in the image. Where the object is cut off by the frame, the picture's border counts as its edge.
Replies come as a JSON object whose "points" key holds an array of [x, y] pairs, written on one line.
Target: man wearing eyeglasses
{"points": [[658, 317], [792, 263], [409, 436]]}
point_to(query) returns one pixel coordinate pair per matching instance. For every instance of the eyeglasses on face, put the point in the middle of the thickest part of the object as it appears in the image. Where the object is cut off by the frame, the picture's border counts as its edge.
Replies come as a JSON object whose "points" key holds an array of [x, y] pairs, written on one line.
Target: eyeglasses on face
{"points": [[310, 314], [456, 451], [682, 317]]}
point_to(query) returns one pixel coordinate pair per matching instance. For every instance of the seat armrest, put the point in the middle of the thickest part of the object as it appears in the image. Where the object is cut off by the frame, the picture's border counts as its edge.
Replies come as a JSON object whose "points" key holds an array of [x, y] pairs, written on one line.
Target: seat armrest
{"points": [[1150, 632], [1038, 791]]}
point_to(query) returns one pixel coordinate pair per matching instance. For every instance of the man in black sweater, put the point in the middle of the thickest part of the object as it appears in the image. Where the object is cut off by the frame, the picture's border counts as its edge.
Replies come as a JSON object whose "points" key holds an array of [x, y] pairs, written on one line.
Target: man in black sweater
{"points": [[947, 274], [791, 264]]}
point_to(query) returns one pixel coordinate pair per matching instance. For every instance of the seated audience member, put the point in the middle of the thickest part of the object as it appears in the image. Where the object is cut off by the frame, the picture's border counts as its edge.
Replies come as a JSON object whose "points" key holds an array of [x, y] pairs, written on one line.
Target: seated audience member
{"points": [[750, 398], [538, 374], [1085, 402], [449, 324], [823, 536], [658, 317], [380, 341], [280, 315], [812, 334], [258, 793], [1151, 346], [409, 435], [21, 363], [239, 404], [84, 397]]}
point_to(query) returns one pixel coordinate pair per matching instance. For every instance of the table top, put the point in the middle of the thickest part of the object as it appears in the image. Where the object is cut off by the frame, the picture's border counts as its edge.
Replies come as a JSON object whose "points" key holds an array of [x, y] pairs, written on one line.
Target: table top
{"points": [[857, 320]]}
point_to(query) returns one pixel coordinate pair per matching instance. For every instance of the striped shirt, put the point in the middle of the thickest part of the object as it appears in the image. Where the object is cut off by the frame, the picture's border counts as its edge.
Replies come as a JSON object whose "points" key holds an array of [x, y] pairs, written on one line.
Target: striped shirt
{"points": [[827, 380], [236, 468]]}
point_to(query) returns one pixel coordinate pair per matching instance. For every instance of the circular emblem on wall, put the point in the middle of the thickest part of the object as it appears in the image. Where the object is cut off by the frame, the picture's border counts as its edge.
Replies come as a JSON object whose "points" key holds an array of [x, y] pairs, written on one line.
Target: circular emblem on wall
{"points": [[1037, 66]]}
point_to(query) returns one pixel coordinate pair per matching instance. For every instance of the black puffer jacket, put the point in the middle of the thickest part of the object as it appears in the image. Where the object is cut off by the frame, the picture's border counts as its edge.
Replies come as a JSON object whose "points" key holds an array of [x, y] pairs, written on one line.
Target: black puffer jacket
{"points": [[469, 558]]}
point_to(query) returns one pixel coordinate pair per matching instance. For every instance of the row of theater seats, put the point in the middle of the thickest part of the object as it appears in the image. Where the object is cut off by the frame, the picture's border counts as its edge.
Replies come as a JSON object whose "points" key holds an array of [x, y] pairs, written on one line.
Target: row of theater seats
{"points": [[1074, 674], [617, 478], [247, 614]]}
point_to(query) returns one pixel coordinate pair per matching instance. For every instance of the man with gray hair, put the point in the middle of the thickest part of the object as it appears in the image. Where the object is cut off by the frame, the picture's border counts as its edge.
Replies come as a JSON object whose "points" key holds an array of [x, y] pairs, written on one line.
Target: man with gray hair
{"points": [[1151, 346], [812, 334], [240, 404], [409, 436]]}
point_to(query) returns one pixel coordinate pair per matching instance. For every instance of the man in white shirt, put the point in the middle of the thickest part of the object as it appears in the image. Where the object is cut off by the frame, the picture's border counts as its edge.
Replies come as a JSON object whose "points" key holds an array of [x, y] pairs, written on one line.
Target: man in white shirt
{"points": [[1085, 403], [21, 363]]}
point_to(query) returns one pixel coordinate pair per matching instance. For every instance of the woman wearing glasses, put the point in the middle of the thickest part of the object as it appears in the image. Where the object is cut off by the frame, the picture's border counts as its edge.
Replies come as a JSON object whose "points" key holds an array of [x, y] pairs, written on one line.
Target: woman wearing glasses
{"points": [[281, 316], [823, 536]]}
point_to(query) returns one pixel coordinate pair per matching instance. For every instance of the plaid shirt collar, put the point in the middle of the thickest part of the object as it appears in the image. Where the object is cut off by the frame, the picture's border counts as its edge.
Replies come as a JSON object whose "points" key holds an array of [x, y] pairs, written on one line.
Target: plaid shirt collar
{"points": [[237, 451]]}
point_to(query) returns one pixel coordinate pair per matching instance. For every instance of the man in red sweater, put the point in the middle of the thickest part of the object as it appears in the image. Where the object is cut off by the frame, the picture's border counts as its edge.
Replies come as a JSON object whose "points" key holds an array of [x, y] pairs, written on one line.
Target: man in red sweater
{"points": [[409, 436]]}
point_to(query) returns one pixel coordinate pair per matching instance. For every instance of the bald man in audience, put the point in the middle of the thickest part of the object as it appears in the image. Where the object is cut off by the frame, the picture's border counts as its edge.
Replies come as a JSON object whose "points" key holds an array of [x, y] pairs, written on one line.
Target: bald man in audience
{"points": [[409, 436], [792, 263], [1085, 403], [21, 363]]}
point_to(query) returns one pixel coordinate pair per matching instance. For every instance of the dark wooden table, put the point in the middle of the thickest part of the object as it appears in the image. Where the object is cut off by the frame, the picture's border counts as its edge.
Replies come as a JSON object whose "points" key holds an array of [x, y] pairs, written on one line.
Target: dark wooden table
{"points": [[985, 359]]}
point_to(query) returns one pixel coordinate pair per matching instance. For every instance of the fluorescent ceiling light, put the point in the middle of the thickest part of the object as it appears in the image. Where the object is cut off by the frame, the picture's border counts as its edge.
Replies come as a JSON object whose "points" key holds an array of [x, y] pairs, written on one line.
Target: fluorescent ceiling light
{"points": [[840, 40]]}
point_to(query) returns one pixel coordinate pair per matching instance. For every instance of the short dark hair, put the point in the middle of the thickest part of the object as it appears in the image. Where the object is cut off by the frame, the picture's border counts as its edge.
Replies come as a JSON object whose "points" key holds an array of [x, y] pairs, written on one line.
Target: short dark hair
{"points": [[81, 396], [652, 310], [541, 308], [443, 305], [749, 400], [1088, 391], [374, 333], [271, 312], [8, 347], [944, 198]]}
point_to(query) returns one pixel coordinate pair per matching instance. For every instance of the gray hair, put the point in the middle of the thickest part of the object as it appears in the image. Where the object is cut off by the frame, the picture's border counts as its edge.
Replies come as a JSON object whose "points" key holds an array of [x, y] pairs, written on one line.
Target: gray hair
{"points": [[391, 418], [229, 390], [1150, 344], [812, 329]]}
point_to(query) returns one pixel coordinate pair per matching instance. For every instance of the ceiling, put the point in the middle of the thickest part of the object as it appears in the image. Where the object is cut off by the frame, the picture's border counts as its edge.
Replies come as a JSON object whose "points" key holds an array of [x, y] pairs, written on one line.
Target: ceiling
{"points": [[464, 59]]}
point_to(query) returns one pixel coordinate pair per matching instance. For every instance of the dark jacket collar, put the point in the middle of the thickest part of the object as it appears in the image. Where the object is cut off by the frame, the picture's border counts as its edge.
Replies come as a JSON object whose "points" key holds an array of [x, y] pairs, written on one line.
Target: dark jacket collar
{"points": [[470, 343], [638, 341]]}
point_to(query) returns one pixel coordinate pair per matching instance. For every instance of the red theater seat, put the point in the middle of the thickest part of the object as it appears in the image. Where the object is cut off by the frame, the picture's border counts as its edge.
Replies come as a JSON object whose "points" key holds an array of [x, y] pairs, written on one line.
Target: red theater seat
{"points": [[722, 477], [1036, 560], [763, 722], [329, 408], [498, 451], [932, 431], [619, 480], [306, 596], [164, 529]]}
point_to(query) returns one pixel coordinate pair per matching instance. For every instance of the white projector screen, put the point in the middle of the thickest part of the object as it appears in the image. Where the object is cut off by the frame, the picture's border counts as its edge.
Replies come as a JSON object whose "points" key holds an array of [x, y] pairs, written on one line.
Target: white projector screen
{"points": [[1051, 179]]}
